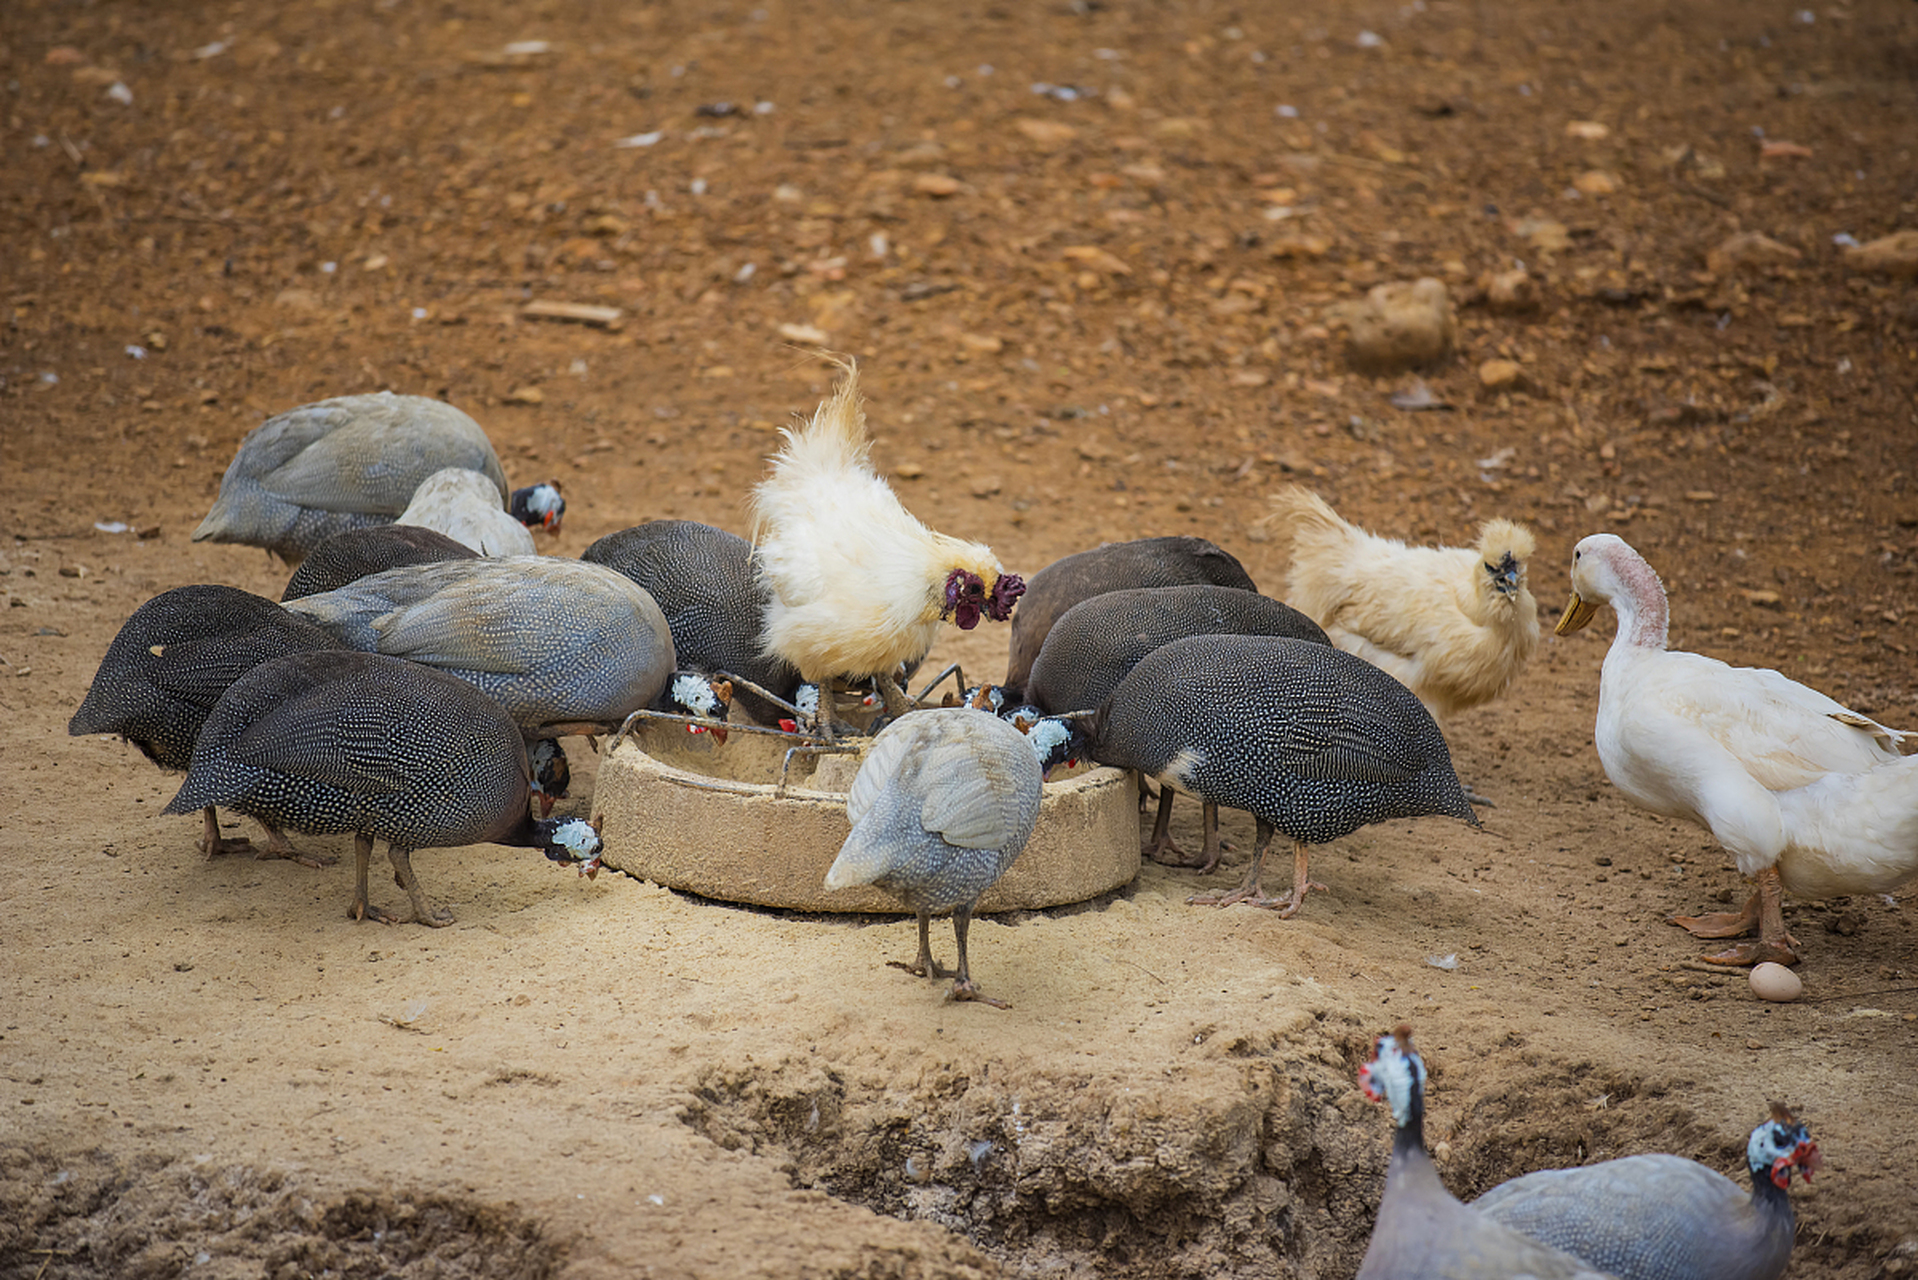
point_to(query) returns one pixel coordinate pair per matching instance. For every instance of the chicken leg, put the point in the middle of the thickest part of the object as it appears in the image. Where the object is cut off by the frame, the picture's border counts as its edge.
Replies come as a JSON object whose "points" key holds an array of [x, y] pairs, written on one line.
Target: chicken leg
{"points": [[926, 967], [1763, 911], [1288, 904]]}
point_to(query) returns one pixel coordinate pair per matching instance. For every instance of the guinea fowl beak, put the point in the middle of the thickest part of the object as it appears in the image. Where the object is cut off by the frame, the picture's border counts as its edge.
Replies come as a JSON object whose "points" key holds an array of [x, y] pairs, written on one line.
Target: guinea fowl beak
{"points": [[1806, 1156], [546, 804], [1578, 612]]}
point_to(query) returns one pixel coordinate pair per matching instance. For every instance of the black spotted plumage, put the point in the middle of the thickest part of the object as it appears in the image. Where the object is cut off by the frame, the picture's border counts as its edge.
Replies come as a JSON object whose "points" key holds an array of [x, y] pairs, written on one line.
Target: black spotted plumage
{"points": [[339, 741], [171, 661], [1310, 740], [708, 585], [1116, 566], [347, 557]]}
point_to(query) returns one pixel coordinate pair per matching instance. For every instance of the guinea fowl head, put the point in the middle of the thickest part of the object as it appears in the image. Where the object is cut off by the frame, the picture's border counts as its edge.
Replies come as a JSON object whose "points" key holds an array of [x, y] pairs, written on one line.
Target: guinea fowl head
{"points": [[1055, 740], [551, 774], [1780, 1145], [539, 505], [571, 840], [696, 695], [1396, 1076]]}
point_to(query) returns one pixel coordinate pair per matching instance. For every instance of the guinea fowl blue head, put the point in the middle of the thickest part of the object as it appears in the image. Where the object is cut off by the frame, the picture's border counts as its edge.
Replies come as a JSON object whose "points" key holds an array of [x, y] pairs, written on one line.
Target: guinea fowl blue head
{"points": [[1780, 1145], [551, 774], [539, 504], [571, 840], [1396, 1076], [696, 695], [1055, 740]]}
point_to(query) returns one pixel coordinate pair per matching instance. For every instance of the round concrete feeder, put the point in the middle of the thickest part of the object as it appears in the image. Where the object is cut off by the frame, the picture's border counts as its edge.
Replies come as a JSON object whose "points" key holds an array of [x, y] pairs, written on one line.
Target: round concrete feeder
{"points": [[681, 811]]}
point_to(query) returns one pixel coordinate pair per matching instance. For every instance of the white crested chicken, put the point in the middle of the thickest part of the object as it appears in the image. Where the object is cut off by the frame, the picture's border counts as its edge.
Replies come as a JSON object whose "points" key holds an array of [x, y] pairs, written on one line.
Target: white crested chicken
{"points": [[1805, 794], [1455, 625], [858, 586]]}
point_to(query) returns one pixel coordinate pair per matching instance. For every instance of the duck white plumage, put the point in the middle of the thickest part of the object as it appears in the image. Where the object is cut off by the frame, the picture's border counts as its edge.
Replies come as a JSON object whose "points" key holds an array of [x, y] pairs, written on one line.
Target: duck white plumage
{"points": [[859, 587], [465, 506], [1805, 793]]}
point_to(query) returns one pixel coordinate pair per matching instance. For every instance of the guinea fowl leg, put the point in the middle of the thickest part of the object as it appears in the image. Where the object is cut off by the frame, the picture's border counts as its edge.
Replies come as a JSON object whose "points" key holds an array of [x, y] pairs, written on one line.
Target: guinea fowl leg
{"points": [[1774, 943], [423, 910], [1214, 846], [362, 861], [1287, 905], [278, 846], [1162, 848], [963, 988], [213, 844]]}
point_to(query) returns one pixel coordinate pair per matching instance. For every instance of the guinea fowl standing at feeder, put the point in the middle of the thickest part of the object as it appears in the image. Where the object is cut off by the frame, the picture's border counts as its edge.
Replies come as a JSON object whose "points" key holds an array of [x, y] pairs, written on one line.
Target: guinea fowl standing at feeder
{"points": [[1095, 644], [707, 584], [465, 506], [1423, 1232], [858, 586], [341, 741], [1314, 742], [1657, 1216], [1805, 793], [166, 669], [943, 803], [350, 556], [340, 464], [565, 646], [1115, 566]]}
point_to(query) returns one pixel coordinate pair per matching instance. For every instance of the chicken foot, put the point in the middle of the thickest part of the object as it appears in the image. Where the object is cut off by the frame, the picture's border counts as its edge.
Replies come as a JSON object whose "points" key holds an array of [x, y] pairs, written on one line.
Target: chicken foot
{"points": [[924, 966], [1763, 911], [1287, 904]]}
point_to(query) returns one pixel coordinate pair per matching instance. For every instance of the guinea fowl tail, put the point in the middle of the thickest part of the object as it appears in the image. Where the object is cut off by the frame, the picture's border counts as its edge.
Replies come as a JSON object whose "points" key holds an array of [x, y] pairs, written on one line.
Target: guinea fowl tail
{"points": [[862, 860]]}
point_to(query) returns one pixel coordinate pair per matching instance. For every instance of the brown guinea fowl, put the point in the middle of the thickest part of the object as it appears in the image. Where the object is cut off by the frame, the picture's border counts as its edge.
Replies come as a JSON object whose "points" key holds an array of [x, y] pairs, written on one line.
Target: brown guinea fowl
{"points": [[340, 741], [1312, 741], [1096, 643], [1115, 566], [1662, 1217], [1423, 1232], [167, 668]]}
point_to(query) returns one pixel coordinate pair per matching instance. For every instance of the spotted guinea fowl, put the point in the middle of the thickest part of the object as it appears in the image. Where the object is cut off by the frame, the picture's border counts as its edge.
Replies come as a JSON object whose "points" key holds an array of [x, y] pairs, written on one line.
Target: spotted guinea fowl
{"points": [[1096, 643], [565, 646], [350, 556], [465, 506], [1805, 793], [1115, 566], [340, 741], [1422, 1231], [1663, 1217], [943, 803], [707, 583], [538, 506], [339, 464], [1314, 742], [167, 668]]}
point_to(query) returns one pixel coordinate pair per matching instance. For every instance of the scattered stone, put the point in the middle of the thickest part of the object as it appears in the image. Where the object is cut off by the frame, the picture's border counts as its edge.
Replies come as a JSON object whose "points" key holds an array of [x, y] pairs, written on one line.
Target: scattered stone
{"points": [[1047, 135], [1401, 325], [983, 343], [576, 312], [1895, 254], [1301, 246], [1511, 292], [1588, 130], [984, 486], [1096, 258], [1501, 375], [1749, 250], [1548, 234], [936, 185], [1419, 398], [297, 299], [1764, 599], [1597, 182], [1779, 149], [806, 333], [526, 395]]}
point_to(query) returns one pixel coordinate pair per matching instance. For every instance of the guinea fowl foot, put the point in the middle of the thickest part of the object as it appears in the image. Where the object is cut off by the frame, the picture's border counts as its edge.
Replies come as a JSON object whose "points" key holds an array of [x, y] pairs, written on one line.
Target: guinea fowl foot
{"points": [[924, 967], [213, 844], [364, 910], [278, 846], [964, 990], [1167, 853]]}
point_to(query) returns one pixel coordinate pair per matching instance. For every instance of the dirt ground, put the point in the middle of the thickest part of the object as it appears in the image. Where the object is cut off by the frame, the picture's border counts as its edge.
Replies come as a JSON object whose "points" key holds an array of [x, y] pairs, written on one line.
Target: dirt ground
{"points": [[1086, 254]]}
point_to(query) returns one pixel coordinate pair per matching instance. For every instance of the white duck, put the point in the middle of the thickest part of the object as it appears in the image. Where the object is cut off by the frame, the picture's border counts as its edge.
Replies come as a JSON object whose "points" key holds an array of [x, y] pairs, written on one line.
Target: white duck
{"points": [[1805, 793]]}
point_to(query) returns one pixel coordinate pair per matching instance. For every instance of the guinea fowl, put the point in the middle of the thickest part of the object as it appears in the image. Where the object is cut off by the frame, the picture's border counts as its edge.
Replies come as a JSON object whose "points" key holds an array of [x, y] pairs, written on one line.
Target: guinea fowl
{"points": [[1116, 566], [943, 803], [168, 666], [565, 646], [350, 556], [1805, 793], [707, 583], [1423, 1232], [1659, 1217], [1314, 742], [538, 506], [465, 506], [340, 741], [340, 464], [858, 586], [1096, 643], [1456, 625]]}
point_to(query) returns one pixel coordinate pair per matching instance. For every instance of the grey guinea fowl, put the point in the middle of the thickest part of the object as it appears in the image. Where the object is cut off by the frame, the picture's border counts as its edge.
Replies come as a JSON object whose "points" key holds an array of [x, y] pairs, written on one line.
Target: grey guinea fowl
{"points": [[565, 646], [943, 803], [465, 506], [350, 556], [1116, 566], [707, 583], [1096, 643], [342, 741], [168, 666], [1314, 742], [1423, 1232], [1663, 1217], [339, 464]]}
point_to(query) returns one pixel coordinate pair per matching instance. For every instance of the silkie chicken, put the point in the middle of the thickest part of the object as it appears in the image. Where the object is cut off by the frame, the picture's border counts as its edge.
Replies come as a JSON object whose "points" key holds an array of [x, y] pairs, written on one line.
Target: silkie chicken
{"points": [[1455, 625], [858, 586]]}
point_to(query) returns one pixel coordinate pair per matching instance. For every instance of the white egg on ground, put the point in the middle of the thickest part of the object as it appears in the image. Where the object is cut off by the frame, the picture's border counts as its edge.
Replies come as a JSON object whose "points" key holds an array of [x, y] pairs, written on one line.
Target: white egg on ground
{"points": [[1776, 982]]}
